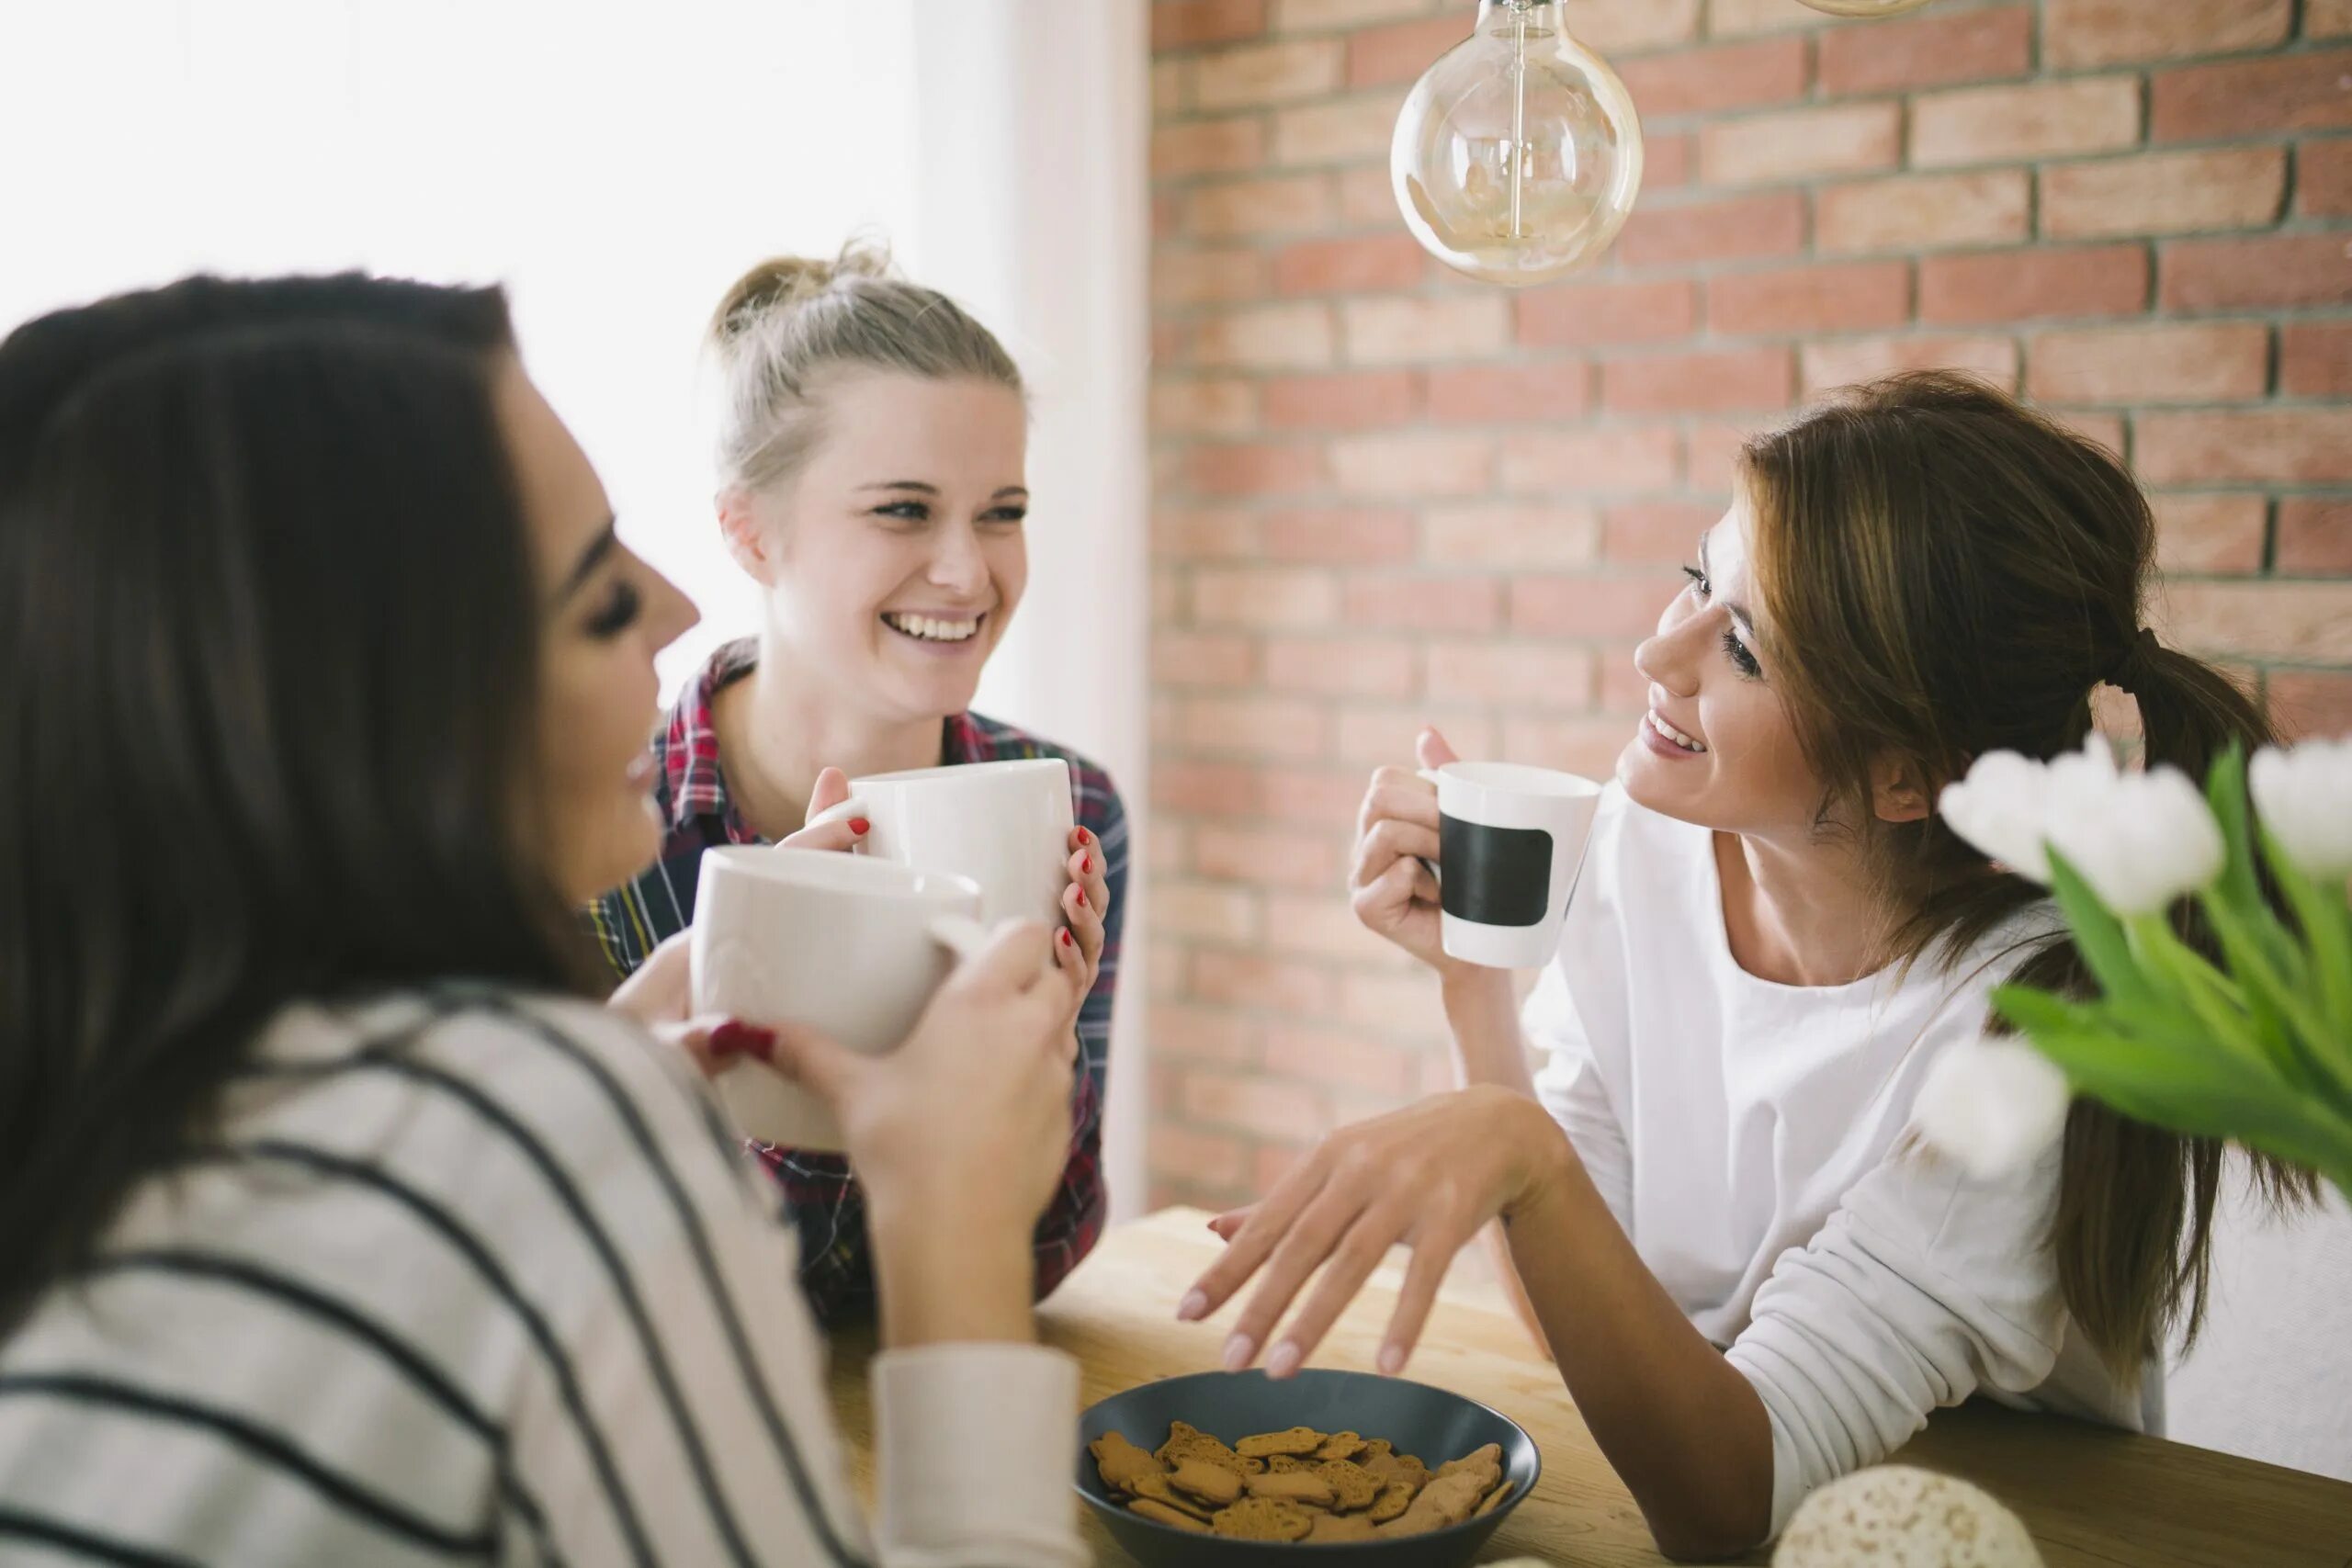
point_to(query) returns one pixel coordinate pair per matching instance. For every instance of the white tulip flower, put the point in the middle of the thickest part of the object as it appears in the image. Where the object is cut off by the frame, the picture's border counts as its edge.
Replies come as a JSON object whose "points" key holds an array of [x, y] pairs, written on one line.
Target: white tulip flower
{"points": [[1995, 1105], [1997, 810], [2304, 796], [2139, 839]]}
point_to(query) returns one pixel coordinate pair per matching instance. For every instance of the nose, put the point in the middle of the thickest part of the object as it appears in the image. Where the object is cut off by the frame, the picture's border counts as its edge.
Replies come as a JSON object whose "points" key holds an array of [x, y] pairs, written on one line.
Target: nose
{"points": [[671, 615], [956, 563], [1665, 663]]}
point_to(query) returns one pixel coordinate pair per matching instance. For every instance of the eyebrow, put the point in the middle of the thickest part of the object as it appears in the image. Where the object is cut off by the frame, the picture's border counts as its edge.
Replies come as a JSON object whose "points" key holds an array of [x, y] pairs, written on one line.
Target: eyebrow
{"points": [[1003, 491], [594, 556], [1738, 612]]}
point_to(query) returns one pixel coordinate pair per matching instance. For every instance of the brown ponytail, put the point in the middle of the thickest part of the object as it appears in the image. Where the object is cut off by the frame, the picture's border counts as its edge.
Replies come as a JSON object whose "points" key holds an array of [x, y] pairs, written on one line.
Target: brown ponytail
{"points": [[1945, 573]]}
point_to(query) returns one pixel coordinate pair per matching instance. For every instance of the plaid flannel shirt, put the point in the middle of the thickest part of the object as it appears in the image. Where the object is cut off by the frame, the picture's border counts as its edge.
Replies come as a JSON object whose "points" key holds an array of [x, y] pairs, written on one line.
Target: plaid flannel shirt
{"points": [[821, 1196]]}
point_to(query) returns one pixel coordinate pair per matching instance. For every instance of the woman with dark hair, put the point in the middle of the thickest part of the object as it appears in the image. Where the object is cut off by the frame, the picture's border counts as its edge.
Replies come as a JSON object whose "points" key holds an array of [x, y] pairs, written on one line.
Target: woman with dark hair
{"points": [[336, 1224]]}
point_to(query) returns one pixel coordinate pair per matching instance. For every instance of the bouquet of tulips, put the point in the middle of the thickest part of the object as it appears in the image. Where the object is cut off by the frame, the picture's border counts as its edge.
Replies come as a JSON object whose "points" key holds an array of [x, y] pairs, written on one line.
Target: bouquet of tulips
{"points": [[2256, 1048]]}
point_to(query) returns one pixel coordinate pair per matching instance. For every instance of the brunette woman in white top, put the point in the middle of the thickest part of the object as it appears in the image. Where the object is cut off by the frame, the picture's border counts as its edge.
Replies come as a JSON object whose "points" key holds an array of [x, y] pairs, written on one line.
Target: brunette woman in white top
{"points": [[1751, 1281], [337, 1224]]}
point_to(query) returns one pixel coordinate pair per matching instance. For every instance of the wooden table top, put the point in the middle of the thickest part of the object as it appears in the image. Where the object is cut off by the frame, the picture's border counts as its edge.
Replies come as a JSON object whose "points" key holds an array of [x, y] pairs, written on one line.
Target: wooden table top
{"points": [[2093, 1498]]}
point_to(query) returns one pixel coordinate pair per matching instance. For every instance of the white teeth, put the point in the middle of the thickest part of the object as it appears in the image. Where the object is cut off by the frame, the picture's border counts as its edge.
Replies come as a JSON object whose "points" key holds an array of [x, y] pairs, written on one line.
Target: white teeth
{"points": [[932, 630], [1673, 734]]}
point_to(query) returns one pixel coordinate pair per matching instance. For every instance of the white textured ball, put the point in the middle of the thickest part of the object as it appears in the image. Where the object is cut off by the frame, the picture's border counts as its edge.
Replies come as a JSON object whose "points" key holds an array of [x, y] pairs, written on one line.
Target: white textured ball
{"points": [[1897, 1517]]}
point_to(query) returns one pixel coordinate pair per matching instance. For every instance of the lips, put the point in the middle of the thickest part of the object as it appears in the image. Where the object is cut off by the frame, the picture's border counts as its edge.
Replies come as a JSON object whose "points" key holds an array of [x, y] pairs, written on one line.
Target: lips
{"points": [[922, 627], [1673, 735]]}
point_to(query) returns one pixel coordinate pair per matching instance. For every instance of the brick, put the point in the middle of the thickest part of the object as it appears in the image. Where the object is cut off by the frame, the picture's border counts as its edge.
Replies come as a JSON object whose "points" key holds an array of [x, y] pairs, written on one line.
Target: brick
{"points": [[2315, 359], [1343, 401], [1923, 212], [1846, 361], [1188, 23], [1712, 458], [1202, 1034], [1800, 144], [1166, 341], [1287, 1113], [1265, 337], [1350, 266], [1366, 198], [1623, 27], [1500, 535], [1320, 796], [1201, 788], [2104, 431], [1929, 51], [1718, 79], [1700, 383], [1206, 275], [1835, 296], [1399, 53], [1205, 910], [1252, 726], [2150, 365], [1513, 675], [1341, 667], [1590, 607], [2327, 18], [2309, 704], [1507, 394], [1323, 926], [1214, 1158], [1341, 1060], [1203, 406], [1401, 1006], [1772, 225], [2316, 538], [1345, 130], [1168, 848], [1171, 88], [1202, 533], [1579, 314], [1209, 147], [1745, 18], [1341, 536], [1264, 596], [2079, 33], [1617, 459], [1588, 746], [2044, 119], [1666, 162], [1412, 465], [2323, 178], [2278, 446], [1623, 688], [2216, 535], [1424, 605], [1266, 857], [2012, 285], [2163, 192], [1258, 75], [1253, 469], [1402, 332], [2298, 623], [1380, 737], [2273, 270], [1203, 658], [1655, 532], [1326, 15], [1288, 204], [2254, 97]]}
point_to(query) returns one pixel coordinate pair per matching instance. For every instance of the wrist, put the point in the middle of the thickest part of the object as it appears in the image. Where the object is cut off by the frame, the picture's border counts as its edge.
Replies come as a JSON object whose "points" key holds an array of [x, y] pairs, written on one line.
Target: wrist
{"points": [[946, 1277], [1544, 1162]]}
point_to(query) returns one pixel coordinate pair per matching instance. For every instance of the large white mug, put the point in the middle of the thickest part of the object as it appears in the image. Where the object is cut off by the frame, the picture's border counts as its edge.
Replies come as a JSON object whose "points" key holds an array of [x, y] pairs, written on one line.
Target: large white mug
{"points": [[847, 945], [1510, 842], [1004, 825]]}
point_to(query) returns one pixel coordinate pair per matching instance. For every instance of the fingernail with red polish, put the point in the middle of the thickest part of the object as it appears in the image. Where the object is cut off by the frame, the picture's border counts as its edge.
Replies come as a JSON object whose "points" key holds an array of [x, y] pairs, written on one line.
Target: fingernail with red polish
{"points": [[745, 1038], [1084, 836], [1086, 867], [1065, 936], [860, 826], [1081, 898]]}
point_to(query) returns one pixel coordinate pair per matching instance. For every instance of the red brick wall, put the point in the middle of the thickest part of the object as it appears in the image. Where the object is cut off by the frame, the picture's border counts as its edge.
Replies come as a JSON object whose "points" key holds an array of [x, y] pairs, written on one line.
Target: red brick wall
{"points": [[1385, 493]]}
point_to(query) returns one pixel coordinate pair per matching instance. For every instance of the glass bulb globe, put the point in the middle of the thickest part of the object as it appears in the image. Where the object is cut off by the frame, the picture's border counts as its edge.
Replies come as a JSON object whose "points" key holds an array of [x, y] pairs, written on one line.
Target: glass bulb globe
{"points": [[1518, 155], [1864, 7]]}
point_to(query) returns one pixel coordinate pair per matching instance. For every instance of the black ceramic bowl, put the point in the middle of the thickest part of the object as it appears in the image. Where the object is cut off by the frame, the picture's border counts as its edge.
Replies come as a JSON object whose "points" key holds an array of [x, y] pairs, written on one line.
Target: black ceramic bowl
{"points": [[1419, 1419]]}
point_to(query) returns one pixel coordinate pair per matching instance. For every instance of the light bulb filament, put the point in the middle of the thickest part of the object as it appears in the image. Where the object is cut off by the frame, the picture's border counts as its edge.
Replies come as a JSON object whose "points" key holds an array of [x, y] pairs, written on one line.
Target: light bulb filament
{"points": [[1518, 117]]}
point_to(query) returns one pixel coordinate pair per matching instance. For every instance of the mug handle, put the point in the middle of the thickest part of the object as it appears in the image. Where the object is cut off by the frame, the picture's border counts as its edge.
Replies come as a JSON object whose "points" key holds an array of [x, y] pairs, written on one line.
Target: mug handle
{"points": [[959, 934], [848, 808]]}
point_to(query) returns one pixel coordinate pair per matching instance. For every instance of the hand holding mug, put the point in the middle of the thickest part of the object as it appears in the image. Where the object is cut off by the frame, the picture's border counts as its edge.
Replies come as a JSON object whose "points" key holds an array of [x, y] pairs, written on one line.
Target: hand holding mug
{"points": [[1078, 946], [1391, 885]]}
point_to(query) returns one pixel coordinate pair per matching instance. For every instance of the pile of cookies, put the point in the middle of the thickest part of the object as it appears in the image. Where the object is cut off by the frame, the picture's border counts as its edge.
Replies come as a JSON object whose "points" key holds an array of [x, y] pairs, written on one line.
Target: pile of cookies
{"points": [[1298, 1485]]}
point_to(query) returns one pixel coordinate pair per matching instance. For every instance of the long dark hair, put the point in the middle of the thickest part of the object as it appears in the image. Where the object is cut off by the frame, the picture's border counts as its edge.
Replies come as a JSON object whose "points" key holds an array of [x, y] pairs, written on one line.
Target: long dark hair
{"points": [[1948, 573], [268, 664]]}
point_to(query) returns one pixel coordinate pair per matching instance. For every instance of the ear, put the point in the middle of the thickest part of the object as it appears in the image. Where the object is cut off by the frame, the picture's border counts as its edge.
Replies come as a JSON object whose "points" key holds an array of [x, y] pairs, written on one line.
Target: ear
{"points": [[747, 541], [1899, 793]]}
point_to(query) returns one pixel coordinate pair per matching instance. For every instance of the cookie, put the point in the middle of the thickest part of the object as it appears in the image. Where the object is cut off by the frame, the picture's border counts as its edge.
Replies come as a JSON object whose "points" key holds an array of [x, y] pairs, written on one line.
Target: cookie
{"points": [[1144, 1507], [1496, 1498], [1263, 1518], [1300, 1441], [1189, 1442], [1341, 1527], [1375, 1447], [1475, 1459], [1440, 1504], [1340, 1445], [1398, 1467], [1285, 1464], [1210, 1484], [1393, 1499], [1121, 1462], [1352, 1487], [1298, 1487], [1156, 1488]]}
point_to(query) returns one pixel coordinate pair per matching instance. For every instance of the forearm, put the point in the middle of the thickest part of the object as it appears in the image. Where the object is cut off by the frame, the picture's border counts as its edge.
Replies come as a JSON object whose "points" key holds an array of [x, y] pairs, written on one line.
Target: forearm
{"points": [[948, 1280], [1483, 1013], [1683, 1429]]}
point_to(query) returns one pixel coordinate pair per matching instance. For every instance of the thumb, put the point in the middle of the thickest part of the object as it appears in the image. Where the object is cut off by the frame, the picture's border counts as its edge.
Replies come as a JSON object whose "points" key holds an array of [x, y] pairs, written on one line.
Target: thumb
{"points": [[1431, 749], [816, 1062], [833, 788]]}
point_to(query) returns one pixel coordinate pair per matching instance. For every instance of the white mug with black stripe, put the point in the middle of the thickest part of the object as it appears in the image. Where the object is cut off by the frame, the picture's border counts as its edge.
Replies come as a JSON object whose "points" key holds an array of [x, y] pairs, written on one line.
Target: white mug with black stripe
{"points": [[1510, 841]]}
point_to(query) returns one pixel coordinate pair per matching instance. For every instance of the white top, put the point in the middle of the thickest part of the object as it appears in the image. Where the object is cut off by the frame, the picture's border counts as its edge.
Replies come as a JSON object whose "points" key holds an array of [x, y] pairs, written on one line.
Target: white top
{"points": [[477, 1275], [1746, 1135]]}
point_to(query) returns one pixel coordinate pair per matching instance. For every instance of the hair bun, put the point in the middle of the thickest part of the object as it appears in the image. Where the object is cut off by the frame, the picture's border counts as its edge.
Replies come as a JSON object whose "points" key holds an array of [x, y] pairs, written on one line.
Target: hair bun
{"points": [[787, 283]]}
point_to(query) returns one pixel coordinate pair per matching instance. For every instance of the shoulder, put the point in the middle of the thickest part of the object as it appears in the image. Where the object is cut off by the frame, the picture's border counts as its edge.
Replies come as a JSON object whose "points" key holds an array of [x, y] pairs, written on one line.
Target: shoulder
{"points": [[1095, 795]]}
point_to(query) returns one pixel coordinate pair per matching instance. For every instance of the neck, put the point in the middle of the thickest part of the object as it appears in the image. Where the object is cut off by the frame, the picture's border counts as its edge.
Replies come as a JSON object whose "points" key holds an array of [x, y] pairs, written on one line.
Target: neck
{"points": [[1801, 912], [780, 726]]}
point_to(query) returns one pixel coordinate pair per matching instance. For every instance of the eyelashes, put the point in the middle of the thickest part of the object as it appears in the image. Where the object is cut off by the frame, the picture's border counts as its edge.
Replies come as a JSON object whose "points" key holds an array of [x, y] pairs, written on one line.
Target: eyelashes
{"points": [[1741, 660], [620, 612]]}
